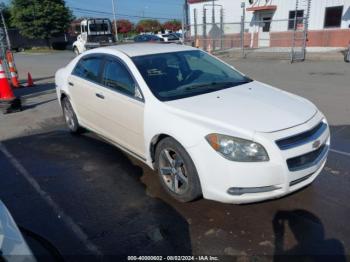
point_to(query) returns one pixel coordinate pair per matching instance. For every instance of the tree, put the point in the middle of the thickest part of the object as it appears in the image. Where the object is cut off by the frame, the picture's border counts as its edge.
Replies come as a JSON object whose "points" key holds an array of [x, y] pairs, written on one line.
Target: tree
{"points": [[124, 26], [6, 13], [148, 25], [172, 25], [42, 19]]}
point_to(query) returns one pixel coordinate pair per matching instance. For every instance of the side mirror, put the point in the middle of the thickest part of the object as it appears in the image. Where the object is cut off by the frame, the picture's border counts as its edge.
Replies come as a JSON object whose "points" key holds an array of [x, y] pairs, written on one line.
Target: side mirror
{"points": [[138, 94]]}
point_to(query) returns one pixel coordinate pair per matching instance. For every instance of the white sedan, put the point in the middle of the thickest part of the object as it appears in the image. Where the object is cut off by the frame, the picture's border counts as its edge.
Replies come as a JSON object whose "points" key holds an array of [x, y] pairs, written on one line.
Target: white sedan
{"points": [[207, 129]]}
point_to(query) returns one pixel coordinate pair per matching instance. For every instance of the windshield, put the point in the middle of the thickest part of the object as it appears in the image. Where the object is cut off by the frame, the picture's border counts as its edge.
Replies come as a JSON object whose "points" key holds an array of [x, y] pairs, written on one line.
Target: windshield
{"points": [[98, 26], [183, 74]]}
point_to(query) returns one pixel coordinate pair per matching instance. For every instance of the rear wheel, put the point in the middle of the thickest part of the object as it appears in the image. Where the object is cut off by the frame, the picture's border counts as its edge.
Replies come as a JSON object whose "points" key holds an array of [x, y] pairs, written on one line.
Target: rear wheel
{"points": [[70, 116], [76, 51], [176, 170]]}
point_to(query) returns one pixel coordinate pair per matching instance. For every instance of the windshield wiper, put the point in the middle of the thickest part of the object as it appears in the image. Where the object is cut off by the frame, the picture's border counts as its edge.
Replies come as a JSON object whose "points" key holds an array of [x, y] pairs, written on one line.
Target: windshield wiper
{"points": [[211, 85], [204, 86]]}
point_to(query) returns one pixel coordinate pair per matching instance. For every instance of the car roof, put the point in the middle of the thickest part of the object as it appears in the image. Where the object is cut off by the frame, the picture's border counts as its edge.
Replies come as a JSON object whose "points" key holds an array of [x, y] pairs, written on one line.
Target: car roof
{"points": [[140, 49]]}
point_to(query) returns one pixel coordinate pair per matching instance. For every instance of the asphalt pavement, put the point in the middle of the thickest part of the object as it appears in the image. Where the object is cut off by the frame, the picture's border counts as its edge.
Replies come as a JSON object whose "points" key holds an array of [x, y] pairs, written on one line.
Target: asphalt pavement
{"points": [[89, 199]]}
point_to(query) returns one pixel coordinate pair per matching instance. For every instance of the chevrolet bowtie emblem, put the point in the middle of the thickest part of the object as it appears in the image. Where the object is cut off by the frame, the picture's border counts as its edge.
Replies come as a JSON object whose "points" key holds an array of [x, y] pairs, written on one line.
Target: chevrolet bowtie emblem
{"points": [[316, 144]]}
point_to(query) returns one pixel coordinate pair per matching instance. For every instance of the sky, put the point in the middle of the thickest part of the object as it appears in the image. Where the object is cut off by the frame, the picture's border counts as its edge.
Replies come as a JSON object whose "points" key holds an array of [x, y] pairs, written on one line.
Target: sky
{"points": [[129, 9]]}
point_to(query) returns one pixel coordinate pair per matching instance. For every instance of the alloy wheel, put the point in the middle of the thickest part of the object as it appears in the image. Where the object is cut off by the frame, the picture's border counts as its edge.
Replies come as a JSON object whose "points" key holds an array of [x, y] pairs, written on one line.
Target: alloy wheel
{"points": [[173, 171], [69, 115]]}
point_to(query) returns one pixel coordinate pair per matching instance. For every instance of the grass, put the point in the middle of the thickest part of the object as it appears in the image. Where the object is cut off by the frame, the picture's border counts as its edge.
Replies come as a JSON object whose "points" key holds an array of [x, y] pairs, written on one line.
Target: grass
{"points": [[40, 50]]}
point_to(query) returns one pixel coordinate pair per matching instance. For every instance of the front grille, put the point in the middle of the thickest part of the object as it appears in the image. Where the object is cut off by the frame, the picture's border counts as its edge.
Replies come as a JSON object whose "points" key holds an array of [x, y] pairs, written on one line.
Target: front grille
{"points": [[303, 138], [306, 160]]}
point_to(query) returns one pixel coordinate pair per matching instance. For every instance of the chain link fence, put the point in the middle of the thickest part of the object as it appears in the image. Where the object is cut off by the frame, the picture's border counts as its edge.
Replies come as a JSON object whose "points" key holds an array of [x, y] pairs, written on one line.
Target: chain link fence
{"points": [[285, 38]]}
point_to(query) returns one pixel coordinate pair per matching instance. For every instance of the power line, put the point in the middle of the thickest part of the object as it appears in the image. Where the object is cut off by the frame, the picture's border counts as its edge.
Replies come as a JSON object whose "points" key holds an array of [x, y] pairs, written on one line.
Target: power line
{"points": [[148, 1], [165, 3], [89, 11]]}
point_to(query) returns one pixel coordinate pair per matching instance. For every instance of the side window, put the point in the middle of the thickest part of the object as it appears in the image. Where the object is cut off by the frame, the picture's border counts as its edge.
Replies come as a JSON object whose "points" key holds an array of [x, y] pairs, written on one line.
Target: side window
{"points": [[298, 18], [88, 68], [117, 77]]}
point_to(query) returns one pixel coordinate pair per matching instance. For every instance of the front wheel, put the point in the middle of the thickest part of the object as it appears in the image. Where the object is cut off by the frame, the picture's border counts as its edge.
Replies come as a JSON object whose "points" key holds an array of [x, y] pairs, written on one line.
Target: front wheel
{"points": [[176, 171]]}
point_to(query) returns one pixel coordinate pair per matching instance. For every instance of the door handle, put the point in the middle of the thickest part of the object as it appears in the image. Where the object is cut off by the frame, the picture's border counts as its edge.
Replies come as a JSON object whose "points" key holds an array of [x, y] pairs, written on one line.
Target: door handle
{"points": [[100, 96], [70, 83]]}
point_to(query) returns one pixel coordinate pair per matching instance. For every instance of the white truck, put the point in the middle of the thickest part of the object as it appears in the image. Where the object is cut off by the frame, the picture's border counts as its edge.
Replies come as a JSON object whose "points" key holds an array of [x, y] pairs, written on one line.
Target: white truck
{"points": [[94, 32]]}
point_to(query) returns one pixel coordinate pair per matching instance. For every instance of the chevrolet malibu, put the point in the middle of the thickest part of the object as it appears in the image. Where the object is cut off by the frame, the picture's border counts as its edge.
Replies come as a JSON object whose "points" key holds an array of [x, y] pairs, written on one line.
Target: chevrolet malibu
{"points": [[207, 129]]}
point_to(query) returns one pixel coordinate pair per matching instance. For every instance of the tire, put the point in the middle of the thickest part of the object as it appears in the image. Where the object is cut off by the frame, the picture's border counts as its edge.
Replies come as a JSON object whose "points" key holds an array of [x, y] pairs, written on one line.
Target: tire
{"points": [[347, 56], [176, 171], [70, 117], [76, 51]]}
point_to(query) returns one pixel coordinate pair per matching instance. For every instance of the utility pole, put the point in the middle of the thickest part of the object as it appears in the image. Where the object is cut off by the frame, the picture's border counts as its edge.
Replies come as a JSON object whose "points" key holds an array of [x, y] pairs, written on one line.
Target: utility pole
{"points": [[222, 28], [144, 11], [205, 28], [213, 13], [186, 23], [187, 11], [183, 23], [115, 20], [213, 24], [242, 27]]}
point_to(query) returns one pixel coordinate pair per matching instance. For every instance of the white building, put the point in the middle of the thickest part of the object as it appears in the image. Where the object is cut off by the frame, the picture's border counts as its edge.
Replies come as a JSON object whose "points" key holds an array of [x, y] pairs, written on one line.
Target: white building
{"points": [[271, 22]]}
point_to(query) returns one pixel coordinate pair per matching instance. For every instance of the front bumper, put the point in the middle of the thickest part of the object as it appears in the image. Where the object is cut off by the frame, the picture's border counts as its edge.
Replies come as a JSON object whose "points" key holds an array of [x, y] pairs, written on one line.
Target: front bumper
{"points": [[236, 182]]}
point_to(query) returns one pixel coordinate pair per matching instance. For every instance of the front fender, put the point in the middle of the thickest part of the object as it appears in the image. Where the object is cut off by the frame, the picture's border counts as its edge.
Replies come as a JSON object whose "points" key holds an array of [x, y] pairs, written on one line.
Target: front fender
{"points": [[187, 129]]}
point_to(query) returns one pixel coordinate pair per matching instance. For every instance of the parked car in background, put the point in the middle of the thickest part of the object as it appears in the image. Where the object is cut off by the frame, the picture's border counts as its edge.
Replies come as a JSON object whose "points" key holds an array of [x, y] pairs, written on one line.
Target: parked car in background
{"points": [[179, 35], [128, 39], [205, 127], [170, 38], [147, 38]]}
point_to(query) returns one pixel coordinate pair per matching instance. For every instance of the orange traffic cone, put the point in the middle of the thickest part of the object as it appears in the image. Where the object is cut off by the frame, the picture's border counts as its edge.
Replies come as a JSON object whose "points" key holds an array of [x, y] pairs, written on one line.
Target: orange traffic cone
{"points": [[8, 102], [5, 89], [13, 71], [30, 82]]}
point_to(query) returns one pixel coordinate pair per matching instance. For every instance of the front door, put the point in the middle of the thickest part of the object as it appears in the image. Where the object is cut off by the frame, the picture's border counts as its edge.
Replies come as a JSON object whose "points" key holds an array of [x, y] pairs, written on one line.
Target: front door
{"points": [[121, 107], [264, 29]]}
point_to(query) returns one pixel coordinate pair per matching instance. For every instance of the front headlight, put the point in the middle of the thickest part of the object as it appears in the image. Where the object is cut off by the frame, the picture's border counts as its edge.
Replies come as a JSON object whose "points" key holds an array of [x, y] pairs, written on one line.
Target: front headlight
{"points": [[237, 149]]}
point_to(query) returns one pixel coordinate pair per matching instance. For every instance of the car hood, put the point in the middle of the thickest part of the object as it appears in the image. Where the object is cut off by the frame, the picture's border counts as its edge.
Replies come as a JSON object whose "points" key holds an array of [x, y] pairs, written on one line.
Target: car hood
{"points": [[254, 107]]}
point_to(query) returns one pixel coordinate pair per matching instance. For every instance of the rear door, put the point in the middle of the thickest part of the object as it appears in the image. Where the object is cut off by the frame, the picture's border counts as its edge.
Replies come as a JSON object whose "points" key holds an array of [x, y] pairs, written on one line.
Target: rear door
{"points": [[121, 106], [83, 87]]}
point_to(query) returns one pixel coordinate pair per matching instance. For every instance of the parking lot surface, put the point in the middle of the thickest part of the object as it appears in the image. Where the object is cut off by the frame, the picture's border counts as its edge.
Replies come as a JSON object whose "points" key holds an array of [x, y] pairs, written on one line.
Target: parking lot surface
{"points": [[88, 198]]}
